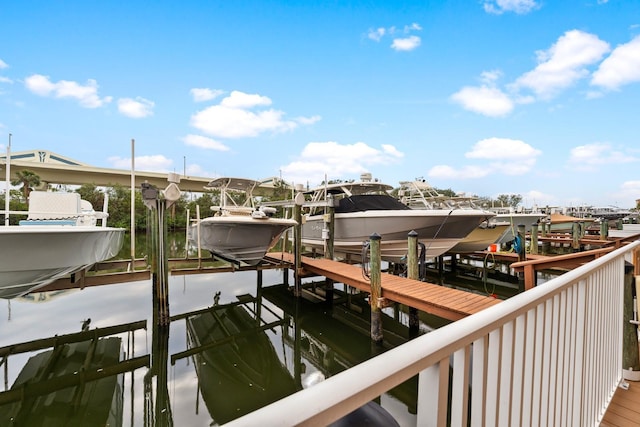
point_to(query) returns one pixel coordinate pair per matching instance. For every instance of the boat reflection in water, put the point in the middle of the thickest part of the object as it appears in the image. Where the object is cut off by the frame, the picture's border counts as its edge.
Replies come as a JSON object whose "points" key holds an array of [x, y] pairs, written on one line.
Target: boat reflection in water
{"points": [[78, 382], [73, 384], [238, 361], [239, 369], [252, 346]]}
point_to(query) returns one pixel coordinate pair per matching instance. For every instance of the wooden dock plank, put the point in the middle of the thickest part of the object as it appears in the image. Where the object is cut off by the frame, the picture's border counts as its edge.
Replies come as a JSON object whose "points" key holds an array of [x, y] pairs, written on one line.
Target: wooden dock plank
{"points": [[449, 303], [624, 409]]}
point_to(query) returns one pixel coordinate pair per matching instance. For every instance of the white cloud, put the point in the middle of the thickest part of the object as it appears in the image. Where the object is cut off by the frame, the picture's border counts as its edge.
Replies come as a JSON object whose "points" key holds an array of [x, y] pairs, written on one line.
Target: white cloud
{"points": [[399, 43], [155, 163], [205, 94], [5, 80], [502, 148], [204, 142], [486, 100], [630, 191], [239, 99], [3, 64], [337, 161], [563, 64], [406, 44], [135, 108], [620, 68], [377, 34], [86, 95], [235, 117], [517, 6], [466, 172], [588, 157], [502, 155]]}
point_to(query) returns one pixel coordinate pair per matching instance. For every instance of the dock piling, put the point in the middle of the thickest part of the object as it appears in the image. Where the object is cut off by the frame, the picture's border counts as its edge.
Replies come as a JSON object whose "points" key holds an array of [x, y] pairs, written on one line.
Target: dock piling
{"points": [[376, 289], [412, 273]]}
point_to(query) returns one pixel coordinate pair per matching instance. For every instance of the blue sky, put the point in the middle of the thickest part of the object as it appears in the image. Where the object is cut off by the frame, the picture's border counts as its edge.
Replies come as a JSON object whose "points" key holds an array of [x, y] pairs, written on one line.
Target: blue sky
{"points": [[537, 98]]}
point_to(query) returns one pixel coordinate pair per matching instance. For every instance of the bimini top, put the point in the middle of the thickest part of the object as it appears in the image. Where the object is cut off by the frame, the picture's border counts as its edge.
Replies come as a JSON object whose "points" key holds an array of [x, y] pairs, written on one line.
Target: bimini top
{"points": [[236, 184]]}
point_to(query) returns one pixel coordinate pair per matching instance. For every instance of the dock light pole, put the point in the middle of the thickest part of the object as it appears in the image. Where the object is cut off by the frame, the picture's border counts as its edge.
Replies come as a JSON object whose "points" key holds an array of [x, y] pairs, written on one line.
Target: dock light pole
{"points": [[158, 203], [375, 300]]}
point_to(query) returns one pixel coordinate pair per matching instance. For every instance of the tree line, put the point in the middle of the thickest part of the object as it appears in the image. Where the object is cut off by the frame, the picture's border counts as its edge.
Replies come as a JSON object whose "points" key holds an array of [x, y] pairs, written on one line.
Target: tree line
{"points": [[119, 201]]}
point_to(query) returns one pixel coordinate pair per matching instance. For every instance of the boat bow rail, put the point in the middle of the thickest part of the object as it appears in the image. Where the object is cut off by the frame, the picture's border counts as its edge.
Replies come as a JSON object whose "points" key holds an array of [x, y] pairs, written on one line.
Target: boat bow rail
{"points": [[548, 356]]}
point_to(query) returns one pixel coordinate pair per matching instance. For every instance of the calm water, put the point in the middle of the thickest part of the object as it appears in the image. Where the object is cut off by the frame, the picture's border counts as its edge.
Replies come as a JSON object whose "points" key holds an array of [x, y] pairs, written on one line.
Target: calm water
{"points": [[304, 341]]}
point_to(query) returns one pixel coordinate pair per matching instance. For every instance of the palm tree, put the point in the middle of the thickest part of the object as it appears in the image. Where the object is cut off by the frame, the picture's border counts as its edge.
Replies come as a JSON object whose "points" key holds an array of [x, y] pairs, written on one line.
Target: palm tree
{"points": [[28, 180]]}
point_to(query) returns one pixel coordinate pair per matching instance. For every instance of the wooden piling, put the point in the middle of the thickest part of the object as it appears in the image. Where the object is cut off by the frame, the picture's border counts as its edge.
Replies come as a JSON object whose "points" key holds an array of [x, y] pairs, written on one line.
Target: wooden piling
{"points": [[376, 289], [604, 230], [412, 273], [534, 240], [575, 234]]}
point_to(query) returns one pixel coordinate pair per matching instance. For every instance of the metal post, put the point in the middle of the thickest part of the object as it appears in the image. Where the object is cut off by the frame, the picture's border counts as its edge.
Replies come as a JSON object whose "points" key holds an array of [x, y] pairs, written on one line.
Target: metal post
{"points": [[329, 225], [297, 248], [412, 273], [522, 254], [7, 192], [376, 289]]}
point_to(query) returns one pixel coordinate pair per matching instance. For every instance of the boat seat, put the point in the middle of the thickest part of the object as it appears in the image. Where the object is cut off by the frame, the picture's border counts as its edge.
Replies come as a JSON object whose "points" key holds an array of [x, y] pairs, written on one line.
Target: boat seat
{"points": [[44, 205]]}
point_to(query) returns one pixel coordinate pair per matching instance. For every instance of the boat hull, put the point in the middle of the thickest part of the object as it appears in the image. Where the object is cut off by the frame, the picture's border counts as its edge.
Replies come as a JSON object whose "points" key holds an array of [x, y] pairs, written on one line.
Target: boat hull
{"points": [[480, 238], [239, 239], [34, 256], [438, 230]]}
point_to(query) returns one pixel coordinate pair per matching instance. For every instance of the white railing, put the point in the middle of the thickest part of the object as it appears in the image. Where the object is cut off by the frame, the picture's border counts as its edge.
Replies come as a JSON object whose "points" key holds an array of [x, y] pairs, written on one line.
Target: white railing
{"points": [[548, 356]]}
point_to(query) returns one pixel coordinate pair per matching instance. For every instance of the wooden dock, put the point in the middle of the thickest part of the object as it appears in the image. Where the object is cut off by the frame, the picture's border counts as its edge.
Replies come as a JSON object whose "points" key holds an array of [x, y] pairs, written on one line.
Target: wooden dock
{"points": [[452, 304], [624, 409]]}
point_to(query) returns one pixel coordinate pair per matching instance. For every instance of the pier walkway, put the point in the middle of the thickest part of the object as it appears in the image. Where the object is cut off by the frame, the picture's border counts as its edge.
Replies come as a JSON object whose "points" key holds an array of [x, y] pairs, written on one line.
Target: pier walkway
{"points": [[452, 304]]}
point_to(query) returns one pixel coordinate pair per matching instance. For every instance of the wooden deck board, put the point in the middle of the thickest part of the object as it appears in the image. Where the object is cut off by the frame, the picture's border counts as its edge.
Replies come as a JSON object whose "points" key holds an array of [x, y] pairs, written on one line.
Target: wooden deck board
{"points": [[452, 304], [624, 409]]}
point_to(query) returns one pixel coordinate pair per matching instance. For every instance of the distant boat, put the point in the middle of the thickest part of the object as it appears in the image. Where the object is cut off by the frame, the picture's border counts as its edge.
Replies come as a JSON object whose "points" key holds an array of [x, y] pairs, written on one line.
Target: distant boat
{"points": [[238, 232], [365, 207], [72, 401], [514, 218], [59, 237], [238, 370], [610, 212], [559, 223], [418, 194]]}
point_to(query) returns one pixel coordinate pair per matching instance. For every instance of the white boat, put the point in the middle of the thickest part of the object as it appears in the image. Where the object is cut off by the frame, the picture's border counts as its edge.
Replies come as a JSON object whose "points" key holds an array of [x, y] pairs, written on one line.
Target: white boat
{"points": [[238, 232], [365, 207], [418, 194], [59, 237]]}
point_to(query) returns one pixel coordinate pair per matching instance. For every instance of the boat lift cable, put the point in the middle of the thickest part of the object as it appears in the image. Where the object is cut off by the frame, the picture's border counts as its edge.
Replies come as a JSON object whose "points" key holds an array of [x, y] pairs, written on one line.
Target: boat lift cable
{"points": [[365, 260], [422, 262], [485, 273], [440, 228]]}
